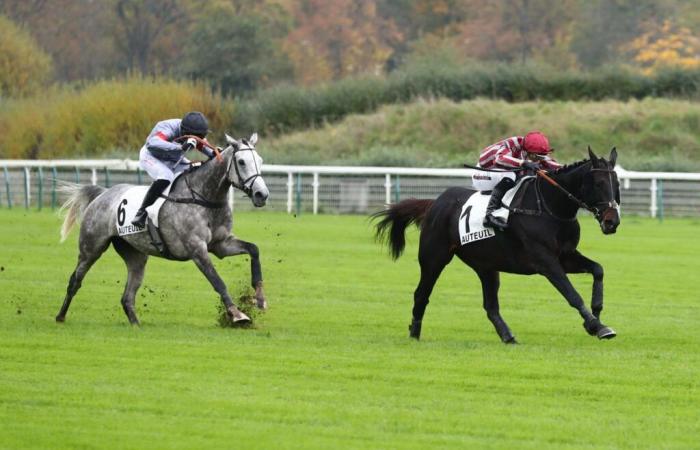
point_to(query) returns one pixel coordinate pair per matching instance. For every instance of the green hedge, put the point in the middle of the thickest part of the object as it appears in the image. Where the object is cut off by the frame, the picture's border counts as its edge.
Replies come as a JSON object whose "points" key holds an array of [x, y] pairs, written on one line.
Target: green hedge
{"points": [[650, 134], [286, 108]]}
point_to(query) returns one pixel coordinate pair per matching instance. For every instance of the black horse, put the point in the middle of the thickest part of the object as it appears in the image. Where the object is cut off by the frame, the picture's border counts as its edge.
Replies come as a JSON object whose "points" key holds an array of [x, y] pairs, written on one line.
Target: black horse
{"points": [[542, 237]]}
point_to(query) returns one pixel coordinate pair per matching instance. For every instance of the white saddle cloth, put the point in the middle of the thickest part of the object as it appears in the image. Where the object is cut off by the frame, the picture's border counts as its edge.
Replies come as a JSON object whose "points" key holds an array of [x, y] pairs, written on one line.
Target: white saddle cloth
{"points": [[129, 204], [471, 219]]}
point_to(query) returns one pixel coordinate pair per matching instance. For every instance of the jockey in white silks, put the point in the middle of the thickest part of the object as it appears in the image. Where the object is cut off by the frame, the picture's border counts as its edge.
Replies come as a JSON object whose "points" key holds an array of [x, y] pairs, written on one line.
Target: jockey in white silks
{"points": [[163, 158]]}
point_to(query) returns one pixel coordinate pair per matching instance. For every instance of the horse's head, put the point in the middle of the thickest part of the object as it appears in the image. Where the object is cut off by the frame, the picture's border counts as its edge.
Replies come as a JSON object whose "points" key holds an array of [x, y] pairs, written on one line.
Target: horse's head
{"points": [[245, 167], [601, 191]]}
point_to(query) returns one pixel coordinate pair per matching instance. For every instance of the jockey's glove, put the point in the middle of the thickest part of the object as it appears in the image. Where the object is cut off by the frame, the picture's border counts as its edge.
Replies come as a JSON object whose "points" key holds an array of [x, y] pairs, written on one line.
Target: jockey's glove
{"points": [[189, 144], [530, 165]]}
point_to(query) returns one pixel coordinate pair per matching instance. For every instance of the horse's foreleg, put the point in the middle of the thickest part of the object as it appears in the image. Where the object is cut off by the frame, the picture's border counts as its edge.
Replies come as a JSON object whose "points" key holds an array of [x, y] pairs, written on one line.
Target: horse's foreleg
{"points": [[232, 246], [577, 263], [135, 264], [203, 262], [556, 275], [490, 282]]}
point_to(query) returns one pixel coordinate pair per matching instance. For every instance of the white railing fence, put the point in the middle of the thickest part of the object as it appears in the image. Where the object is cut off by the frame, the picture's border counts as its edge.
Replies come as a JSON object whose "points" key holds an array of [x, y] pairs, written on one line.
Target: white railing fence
{"points": [[331, 189]]}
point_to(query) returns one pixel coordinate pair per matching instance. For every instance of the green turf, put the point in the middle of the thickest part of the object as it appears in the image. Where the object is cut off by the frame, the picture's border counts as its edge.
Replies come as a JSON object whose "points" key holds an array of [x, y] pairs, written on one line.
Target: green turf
{"points": [[330, 365]]}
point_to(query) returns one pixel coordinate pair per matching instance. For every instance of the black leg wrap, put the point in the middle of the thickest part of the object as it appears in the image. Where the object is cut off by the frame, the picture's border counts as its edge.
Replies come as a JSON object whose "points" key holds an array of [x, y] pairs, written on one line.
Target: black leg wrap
{"points": [[592, 326]]}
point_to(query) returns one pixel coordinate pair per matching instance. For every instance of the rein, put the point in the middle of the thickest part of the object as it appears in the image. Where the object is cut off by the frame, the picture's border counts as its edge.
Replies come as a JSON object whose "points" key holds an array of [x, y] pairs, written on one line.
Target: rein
{"points": [[198, 199], [581, 204], [542, 204], [203, 143]]}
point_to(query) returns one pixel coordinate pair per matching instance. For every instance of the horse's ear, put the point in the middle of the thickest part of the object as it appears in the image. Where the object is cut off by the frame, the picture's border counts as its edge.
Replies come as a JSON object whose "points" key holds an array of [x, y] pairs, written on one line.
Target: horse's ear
{"points": [[613, 156], [253, 138], [231, 140], [591, 154]]}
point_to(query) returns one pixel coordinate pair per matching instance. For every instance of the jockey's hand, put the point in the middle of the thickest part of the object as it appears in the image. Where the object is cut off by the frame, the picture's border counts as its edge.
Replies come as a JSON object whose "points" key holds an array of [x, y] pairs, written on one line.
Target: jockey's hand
{"points": [[189, 144], [530, 165]]}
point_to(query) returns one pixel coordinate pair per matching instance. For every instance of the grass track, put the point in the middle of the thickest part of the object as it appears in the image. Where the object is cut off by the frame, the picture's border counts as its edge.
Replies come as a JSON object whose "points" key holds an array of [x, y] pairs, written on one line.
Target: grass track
{"points": [[330, 364]]}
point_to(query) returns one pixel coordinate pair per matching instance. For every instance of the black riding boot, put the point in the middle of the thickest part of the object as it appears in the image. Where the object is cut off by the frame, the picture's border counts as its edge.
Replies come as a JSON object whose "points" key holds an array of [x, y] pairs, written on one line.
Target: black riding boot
{"points": [[495, 202], [152, 195]]}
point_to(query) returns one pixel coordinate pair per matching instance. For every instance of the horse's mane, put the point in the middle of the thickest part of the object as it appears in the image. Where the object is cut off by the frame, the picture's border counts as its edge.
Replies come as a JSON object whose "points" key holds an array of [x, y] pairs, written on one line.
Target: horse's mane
{"points": [[571, 167]]}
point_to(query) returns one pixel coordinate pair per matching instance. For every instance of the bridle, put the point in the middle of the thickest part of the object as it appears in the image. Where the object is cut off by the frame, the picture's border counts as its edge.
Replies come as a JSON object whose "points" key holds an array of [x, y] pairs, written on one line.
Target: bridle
{"points": [[596, 209], [244, 185]]}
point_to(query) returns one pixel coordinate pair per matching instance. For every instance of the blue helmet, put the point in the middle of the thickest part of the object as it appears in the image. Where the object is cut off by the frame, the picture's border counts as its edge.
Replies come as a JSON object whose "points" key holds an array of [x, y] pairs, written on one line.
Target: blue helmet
{"points": [[194, 123]]}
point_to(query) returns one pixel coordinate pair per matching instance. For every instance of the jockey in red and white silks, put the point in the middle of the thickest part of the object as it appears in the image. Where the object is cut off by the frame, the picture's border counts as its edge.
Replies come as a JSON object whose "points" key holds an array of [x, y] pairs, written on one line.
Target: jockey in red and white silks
{"points": [[530, 152]]}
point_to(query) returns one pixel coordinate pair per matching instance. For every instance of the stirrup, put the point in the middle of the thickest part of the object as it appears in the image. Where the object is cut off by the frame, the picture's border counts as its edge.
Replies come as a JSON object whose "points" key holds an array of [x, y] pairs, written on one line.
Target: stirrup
{"points": [[495, 222], [140, 218]]}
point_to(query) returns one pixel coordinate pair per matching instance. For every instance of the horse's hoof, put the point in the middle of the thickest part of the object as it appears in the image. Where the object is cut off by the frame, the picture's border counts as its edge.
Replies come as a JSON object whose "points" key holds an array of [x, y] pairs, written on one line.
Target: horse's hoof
{"points": [[236, 315], [414, 330], [240, 318], [261, 303], [606, 333], [60, 319], [510, 340]]}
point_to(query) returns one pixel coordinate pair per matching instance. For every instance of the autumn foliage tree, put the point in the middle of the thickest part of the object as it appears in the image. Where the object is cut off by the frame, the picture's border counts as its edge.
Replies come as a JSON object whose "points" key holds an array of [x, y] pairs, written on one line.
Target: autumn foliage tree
{"points": [[665, 46], [336, 39], [24, 67]]}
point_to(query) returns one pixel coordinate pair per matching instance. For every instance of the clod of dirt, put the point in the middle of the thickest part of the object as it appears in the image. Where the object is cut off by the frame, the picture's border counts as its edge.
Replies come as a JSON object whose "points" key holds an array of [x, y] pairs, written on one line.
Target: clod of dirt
{"points": [[247, 304]]}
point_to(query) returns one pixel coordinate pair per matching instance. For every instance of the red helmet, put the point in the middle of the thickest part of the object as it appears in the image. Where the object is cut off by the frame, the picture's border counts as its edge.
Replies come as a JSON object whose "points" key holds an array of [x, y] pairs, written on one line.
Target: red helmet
{"points": [[536, 142]]}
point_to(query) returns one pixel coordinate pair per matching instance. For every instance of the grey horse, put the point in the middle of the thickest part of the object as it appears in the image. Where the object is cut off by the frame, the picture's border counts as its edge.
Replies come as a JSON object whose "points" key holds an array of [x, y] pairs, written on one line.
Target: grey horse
{"points": [[197, 222]]}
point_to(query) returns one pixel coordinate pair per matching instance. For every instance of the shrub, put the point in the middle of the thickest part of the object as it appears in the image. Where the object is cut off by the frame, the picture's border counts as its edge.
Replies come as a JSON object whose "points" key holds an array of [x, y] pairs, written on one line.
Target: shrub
{"points": [[24, 67], [283, 109], [101, 116]]}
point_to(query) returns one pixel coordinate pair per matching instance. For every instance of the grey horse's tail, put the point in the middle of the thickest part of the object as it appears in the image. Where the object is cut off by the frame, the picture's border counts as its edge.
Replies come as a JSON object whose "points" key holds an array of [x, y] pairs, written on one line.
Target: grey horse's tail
{"points": [[79, 197]]}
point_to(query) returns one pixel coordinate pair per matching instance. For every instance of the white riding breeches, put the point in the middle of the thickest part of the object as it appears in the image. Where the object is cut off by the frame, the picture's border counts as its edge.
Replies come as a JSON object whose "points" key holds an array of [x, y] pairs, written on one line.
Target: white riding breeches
{"points": [[486, 181], [161, 170]]}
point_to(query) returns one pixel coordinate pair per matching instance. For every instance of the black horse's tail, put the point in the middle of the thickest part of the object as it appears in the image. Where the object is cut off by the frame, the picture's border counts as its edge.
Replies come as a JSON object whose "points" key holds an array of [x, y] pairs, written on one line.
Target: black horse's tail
{"points": [[396, 218], [79, 197]]}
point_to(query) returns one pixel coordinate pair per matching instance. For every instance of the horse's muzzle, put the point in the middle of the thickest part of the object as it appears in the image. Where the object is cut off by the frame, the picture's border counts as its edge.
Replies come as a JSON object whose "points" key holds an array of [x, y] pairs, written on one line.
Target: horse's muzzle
{"points": [[609, 220], [259, 198]]}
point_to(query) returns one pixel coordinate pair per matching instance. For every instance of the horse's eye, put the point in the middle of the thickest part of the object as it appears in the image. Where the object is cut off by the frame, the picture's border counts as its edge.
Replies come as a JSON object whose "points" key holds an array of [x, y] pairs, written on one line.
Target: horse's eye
{"points": [[241, 162]]}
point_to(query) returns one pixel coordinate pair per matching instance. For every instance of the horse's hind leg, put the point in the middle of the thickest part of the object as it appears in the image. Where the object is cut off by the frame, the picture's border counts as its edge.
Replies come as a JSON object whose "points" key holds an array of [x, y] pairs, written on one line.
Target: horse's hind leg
{"points": [[490, 282], [232, 246], [87, 258], [135, 265], [433, 255]]}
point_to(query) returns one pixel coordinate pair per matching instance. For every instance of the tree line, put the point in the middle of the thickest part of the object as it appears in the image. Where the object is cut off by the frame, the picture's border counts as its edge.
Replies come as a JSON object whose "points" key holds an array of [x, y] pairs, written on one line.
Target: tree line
{"points": [[241, 46]]}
